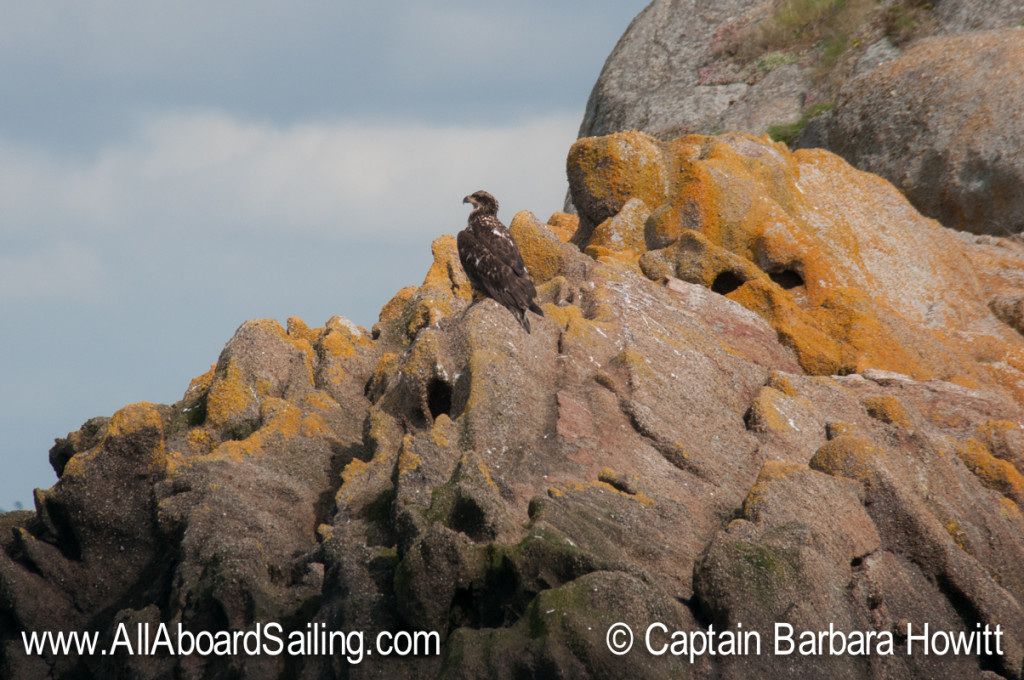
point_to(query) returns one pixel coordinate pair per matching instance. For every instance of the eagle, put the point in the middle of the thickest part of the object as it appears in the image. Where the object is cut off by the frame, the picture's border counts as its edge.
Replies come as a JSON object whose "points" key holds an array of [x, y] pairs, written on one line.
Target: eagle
{"points": [[492, 261]]}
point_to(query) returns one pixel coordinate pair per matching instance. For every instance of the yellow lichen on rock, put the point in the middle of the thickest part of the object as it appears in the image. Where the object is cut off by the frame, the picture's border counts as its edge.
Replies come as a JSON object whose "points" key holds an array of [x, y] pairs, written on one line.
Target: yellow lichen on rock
{"points": [[298, 330], [767, 413], [771, 471], [846, 271], [541, 248], [135, 418], [601, 486], [564, 225], [281, 421], [394, 307], [608, 171], [621, 236], [848, 456], [445, 273], [231, 396], [889, 409], [577, 329], [998, 475], [341, 339]]}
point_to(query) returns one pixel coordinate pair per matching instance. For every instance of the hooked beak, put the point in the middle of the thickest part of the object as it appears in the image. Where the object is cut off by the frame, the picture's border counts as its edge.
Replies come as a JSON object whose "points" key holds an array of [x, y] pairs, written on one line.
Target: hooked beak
{"points": [[470, 200]]}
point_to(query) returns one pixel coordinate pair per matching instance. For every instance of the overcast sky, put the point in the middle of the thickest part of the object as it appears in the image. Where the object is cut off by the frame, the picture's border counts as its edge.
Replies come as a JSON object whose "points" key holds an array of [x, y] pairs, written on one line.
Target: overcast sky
{"points": [[169, 170]]}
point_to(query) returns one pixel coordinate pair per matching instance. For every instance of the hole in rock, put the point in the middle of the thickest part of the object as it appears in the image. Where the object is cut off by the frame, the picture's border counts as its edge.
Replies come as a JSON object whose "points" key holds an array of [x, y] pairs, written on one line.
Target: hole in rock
{"points": [[469, 518], [726, 282], [439, 398], [787, 278]]}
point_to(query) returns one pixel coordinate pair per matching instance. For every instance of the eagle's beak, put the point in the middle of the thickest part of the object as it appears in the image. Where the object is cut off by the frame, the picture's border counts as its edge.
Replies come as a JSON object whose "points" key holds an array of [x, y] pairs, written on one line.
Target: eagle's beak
{"points": [[469, 199]]}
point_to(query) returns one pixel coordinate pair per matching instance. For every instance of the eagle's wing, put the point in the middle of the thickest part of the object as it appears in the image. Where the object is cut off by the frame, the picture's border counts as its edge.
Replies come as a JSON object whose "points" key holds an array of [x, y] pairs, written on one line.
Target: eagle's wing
{"points": [[491, 265], [502, 244]]}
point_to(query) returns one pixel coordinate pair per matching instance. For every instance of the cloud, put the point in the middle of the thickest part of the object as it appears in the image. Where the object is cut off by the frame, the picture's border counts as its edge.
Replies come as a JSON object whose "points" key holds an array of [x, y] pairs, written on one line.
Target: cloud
{"points": [[343, 178], [189, 176]]}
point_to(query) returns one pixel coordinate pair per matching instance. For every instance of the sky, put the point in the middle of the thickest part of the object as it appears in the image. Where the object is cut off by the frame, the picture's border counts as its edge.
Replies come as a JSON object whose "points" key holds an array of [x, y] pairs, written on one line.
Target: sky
{"points": [[169, 170]]}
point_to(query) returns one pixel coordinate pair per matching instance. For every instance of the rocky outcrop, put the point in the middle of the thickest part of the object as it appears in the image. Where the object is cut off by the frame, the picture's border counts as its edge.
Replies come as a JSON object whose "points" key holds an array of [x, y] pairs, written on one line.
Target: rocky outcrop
{"points": [[659, 77], [938, 117], [750, 65], [943, 123], [767, 390]]}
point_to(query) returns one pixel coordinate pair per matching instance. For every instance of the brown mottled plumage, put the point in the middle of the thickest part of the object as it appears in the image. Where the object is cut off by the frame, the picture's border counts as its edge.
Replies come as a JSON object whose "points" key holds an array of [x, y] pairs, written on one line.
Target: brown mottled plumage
{"points": [[492, 261]]}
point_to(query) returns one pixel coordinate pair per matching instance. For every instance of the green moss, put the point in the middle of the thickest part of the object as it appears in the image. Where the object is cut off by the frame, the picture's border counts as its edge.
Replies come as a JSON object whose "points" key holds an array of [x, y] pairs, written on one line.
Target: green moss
{"points": [[766, 569], [787, 132], [832, 49]]}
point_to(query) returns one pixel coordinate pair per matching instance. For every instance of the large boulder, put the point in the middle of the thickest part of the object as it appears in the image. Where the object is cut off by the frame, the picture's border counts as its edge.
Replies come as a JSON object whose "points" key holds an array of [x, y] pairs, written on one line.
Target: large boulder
{"points": [[939, 118], [944, 123], [666, 76], [684, 66]]}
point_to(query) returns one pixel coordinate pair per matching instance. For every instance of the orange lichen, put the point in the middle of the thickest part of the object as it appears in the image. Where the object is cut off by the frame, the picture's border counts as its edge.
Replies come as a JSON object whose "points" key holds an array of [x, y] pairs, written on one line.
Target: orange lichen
{"points": [[135, 418], [580, 487], [608, 171], [952, 528], [767, 412], [338, 344], [577, 329], [623, 233], [848, 456], [230, 395], [298, 341], [438, 433], [282, 421], [200, 440], [482, 467], [888, 409], [202, 382], [319, 400], [353, 470], [564, 225], [834, 259], [445, 273], [298, 330], [782, 383], [408, 461], [394, 307], [170, 463], [1012, 510], [541, 248], [771, 471], [994, 473]]}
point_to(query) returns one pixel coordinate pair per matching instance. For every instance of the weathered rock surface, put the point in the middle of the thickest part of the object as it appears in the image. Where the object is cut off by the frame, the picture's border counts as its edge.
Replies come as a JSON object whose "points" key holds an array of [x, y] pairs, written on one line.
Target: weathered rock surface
{"points": [[663, 78], [938, 117], [767, 390], [745, 65], [943, 123]]}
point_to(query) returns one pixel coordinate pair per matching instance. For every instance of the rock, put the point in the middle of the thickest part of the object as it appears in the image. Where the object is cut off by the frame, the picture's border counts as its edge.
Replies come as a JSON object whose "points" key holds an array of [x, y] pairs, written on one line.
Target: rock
{"points": [[672, 444], [683, 67], [784, 236], [663, 77], [942, 123], [937, 116]]}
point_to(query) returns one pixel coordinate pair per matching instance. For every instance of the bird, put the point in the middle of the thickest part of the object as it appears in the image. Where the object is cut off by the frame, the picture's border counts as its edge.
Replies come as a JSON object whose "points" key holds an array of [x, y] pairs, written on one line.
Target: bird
{"points": [[492, 261]]}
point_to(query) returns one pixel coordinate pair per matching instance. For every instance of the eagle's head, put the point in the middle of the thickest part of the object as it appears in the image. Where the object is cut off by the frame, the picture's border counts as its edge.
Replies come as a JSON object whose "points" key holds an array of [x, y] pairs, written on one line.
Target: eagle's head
{"points": [[482, 202]]}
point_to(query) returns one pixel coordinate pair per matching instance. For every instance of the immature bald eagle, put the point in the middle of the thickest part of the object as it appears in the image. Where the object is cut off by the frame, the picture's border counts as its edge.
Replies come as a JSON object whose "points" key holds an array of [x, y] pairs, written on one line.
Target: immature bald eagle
{"points": [[492, 261]]}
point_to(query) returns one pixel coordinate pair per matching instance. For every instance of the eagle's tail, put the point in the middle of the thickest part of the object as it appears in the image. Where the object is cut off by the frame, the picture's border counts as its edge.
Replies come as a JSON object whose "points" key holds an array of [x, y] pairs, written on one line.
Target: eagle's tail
{"points": [[523, 321], [521, 315]]}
